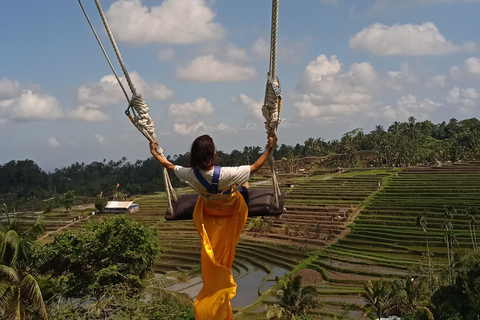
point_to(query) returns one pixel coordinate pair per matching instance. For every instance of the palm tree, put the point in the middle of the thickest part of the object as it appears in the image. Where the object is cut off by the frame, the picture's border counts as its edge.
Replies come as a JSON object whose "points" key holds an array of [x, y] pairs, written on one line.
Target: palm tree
{"points": [[449, 237], [295, 299], [290, 161], [19, 288], [377, 295], [472, 215], [422, 222]]}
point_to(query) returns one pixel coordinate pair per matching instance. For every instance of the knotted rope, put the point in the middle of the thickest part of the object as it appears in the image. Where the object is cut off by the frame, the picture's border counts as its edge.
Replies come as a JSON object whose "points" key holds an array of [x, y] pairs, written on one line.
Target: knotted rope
{"points": [[272, 104], [141, 119]]}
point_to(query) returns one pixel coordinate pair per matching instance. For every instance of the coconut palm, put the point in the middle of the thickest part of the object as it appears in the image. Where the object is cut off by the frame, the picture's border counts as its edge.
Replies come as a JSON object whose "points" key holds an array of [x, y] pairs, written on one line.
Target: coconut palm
{"points": [[19, 289], [295, 299], [422, 222], [449, 236], [377, 296], [472, 215]]}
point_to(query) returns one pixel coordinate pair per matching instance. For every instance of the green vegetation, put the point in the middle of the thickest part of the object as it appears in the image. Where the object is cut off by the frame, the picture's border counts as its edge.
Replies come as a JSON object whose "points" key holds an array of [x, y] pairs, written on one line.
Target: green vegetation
{"points": [[19, 289], [92, 259], [69, 200], [296, 300], [100, 203], [384, 230]]}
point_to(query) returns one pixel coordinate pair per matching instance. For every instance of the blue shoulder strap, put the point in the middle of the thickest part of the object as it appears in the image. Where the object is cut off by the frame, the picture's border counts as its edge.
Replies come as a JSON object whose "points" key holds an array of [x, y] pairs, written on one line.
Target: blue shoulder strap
{"points": [[211, 188]]}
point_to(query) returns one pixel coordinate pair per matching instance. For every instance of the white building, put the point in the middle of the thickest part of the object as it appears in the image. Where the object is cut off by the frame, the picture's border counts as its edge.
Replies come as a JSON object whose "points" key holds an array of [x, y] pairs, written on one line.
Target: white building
{"points": [[121, 207]]}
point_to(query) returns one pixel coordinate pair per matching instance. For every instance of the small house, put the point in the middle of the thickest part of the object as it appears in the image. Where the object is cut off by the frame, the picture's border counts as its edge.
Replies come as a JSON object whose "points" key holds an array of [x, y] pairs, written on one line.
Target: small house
{"points": [[289, 184], [121, 207]]}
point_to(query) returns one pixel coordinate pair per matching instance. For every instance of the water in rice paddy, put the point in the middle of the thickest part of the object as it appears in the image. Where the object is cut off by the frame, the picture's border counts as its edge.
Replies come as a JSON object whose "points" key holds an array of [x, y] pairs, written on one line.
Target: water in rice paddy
{"points": [[248, 284]]}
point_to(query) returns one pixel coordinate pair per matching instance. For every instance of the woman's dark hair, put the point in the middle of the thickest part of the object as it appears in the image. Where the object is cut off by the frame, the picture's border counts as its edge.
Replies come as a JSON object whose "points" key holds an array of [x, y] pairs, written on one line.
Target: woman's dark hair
{"points": [[202, 155]]}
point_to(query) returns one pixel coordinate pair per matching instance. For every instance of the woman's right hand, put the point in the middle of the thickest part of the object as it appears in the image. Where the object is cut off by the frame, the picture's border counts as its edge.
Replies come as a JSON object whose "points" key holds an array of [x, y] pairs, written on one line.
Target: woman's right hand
{"points": [[272, 141]]}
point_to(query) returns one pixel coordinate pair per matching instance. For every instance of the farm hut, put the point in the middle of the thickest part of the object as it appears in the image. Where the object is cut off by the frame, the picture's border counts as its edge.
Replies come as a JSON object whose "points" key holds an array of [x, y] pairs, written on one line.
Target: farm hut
{"points": [[289, 184], [121, 207]]}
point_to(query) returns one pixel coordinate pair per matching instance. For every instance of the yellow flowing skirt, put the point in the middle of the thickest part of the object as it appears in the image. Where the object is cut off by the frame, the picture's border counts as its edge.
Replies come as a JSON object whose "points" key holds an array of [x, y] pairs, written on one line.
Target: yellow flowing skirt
{"points": [[219, 224]]}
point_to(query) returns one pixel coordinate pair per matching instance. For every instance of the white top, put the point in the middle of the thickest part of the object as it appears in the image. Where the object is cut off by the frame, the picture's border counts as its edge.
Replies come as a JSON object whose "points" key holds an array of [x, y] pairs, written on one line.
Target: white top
{"points": [[229, 177]]}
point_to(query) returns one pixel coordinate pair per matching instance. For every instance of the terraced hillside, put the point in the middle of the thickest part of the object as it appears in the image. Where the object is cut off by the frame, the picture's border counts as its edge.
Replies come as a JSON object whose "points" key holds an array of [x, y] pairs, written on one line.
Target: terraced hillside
{"points": [[58, 221], [386, 242], [318, 209], [332, 201], [312, 237]]}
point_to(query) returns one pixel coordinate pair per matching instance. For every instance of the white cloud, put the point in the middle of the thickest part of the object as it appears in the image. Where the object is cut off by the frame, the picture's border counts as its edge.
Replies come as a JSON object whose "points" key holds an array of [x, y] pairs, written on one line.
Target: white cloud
{"points": [[166, 54], [398, 79], [464, 98], [89, 113], [191, 111], [187, 118], [189, 129], [107, 92], [94, 98], [472, 65], [9, 89], [290, 54], [100, 139], [249, 126], [174, 21], [209, 69], [406, 107], [27, 105], [225, 128], [253, 106], [226, 52], [437, 81], [200, 128], [52, 142], [469, 68], [261, 47], [235, 53], [406, 40], [327, 94]]}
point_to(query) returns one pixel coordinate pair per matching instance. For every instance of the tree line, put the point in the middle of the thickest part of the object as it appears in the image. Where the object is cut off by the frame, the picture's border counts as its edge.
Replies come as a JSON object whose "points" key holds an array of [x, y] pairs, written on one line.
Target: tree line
{"points": [[401, 144]]}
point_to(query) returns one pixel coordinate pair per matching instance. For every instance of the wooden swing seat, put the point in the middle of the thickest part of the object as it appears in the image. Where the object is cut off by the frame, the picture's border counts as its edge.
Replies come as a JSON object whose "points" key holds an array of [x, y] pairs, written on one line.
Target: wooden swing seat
{"points": [[260, 203]]}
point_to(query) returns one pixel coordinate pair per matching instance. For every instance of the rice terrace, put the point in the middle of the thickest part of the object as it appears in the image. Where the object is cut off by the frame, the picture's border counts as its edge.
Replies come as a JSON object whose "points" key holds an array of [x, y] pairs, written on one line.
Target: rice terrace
{"points": [[341, 229]]}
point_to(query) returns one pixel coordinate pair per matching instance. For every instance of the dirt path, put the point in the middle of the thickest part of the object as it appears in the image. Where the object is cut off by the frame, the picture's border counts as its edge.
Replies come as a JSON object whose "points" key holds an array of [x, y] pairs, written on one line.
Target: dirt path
{"points": [[64, 227]]}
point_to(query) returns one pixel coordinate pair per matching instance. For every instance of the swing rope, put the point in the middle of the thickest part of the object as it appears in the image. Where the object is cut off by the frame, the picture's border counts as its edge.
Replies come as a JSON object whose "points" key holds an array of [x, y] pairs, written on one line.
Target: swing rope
{"points": [[141, 119], [273, 98], [144, 123]]}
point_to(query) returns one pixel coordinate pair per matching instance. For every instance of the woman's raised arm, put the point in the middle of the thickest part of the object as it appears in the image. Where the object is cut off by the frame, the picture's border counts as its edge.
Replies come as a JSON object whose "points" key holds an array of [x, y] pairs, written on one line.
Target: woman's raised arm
{"points": [[163, 161], [272, 142]]}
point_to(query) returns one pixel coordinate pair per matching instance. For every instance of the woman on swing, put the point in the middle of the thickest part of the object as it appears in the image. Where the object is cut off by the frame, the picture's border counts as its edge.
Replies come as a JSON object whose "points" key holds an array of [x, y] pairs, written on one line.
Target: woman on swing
{"points": [[219, 218]]}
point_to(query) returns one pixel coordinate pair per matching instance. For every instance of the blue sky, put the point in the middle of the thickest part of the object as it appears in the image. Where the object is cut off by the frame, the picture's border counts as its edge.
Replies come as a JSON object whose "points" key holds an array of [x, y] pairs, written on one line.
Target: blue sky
{"points": [[201, 65]]}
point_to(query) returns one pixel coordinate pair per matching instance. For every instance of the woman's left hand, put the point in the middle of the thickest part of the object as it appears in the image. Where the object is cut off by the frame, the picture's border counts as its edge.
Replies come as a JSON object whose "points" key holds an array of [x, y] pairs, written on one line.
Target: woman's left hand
{"points": [[153, 147]]}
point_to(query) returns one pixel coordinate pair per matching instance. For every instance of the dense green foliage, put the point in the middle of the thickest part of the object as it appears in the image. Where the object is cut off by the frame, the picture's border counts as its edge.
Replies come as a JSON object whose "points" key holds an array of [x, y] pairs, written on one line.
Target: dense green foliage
{"points": [[101, 255], [403, 143], [19, 288], [69, 200], [100, 203], [295, 299], [122, 306], [460, 300]]}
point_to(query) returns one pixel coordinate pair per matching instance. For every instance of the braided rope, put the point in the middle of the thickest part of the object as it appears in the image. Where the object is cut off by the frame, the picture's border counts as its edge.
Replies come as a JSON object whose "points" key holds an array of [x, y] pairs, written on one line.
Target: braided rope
{"points": [[104, 52], [273, 40], [273, 97], [115, 47], [142, 119]]}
